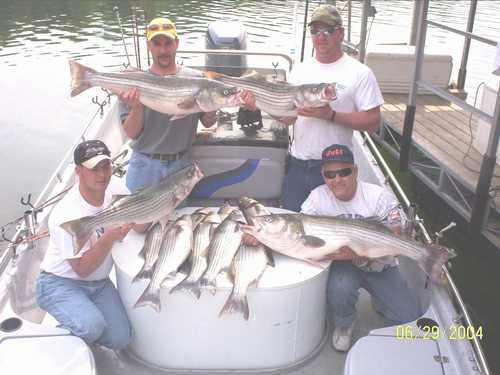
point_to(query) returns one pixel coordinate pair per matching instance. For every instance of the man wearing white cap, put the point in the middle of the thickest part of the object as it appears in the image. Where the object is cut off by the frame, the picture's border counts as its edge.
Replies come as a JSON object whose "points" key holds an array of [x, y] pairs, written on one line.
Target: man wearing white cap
{"points": [[160, 145], [75, 288]]}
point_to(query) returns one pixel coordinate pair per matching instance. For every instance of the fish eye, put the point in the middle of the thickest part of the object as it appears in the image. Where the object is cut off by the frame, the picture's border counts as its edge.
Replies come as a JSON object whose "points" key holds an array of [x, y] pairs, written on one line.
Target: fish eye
{"points": [[268, 219], [225, 92]]}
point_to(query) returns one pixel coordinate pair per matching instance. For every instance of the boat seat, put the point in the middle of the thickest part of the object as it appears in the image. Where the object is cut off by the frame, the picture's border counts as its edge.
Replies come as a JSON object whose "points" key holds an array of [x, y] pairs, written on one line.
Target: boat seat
{"points": [[377, 354], [393, 65]]}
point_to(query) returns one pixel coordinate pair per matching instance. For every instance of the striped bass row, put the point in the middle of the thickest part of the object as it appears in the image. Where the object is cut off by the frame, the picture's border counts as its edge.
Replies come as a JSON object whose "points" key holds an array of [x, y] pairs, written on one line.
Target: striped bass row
{"points": [[175, 95], [151, 204], [311, 238], [281, 99]]}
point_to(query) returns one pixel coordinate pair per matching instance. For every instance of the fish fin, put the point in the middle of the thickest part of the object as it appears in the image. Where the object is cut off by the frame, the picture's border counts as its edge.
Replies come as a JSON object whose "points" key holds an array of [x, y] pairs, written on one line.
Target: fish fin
{"points": [[78, 77], [313, 241], [79, 231], [236, 304], [270, 256], [144, 273], [212, 75], [192, 287], [149, 298], [187, 103], [433, 263]]}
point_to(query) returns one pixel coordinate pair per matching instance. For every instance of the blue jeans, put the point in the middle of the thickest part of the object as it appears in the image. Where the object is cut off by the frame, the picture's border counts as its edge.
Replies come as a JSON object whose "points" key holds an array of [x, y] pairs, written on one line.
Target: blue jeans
{"points": [[91, 310], [144, 171], [302, 177], [390, 295]]}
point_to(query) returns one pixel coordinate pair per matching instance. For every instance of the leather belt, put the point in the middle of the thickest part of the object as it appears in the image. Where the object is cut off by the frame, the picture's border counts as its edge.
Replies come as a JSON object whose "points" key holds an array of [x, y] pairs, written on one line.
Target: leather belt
{"points": [[165, 157]]}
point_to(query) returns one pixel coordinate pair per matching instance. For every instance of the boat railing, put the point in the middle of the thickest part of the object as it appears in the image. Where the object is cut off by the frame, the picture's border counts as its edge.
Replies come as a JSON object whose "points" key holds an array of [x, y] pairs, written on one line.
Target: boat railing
{"points": [[480, 211], [479, 354]]}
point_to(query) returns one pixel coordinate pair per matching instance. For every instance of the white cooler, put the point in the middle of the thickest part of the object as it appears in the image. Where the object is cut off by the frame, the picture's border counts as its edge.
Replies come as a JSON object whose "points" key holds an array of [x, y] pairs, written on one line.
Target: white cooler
{"points": [[286, 324]]}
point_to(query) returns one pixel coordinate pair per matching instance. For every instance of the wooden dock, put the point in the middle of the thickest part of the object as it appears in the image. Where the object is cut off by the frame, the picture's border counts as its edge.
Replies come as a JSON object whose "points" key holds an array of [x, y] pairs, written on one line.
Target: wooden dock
{"points": [[443, 131]]}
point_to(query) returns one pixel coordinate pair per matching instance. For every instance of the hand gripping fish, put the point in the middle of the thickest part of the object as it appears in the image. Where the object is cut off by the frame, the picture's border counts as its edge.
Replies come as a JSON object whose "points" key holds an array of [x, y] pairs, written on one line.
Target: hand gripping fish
{"points": [[175, 95]]}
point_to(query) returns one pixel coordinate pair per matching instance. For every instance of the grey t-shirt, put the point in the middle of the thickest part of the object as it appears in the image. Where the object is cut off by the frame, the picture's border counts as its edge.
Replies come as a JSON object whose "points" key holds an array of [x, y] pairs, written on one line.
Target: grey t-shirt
{"points": [[160, 135]]}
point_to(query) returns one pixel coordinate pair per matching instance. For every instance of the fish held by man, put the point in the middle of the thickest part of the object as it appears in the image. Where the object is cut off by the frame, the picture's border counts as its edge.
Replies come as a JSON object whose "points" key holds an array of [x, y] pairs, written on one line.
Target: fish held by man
{"points": [[281, 99], [312, 238], [151, 204], [175, 95]]}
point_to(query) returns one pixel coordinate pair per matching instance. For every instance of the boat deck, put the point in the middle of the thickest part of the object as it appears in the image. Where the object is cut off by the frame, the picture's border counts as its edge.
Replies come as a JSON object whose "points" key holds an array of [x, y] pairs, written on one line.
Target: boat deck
{"points": [[443, 156]]}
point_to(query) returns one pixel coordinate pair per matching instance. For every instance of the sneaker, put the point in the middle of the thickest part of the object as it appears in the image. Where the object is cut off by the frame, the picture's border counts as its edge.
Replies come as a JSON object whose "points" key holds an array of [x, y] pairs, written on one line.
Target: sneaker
{"points": [[342, 337]]}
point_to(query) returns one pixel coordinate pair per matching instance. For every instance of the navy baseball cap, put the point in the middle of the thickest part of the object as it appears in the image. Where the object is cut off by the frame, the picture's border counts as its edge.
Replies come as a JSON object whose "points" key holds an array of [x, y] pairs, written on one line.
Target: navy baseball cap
{"points": [[337, 153], [90, 153]]}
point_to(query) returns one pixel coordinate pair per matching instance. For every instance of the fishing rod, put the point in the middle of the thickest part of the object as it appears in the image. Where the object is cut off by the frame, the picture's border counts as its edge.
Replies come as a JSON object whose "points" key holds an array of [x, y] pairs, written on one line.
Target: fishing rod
{"points": [[116, 11]]}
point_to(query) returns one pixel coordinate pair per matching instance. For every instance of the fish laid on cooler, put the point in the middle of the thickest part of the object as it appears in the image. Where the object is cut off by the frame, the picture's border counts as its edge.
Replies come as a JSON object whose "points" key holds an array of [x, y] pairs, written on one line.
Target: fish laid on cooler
{"points": [[247, 267], [225, 210], [311, 238], [151, 204], [199, 255], [281, 99], [177, 245], [223, 245], [176, 95], [150, 251]]}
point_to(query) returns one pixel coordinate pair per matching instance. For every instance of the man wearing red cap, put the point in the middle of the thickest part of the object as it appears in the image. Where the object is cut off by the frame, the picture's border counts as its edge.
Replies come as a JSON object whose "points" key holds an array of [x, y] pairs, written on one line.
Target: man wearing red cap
{"points": [[160, 145], [343, 195]]}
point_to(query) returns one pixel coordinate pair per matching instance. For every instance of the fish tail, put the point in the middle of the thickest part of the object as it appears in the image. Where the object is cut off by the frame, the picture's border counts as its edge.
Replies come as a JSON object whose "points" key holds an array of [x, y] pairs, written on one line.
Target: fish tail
{"points": [[192, 287], [144, 273], [433, 263], [79, 77], [236, 303], [149, 298], [80, 232]]}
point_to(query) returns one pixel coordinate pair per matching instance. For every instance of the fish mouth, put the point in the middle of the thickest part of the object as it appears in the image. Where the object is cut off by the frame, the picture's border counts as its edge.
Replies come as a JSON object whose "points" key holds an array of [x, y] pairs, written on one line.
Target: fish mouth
{"points": [[329, 92]]}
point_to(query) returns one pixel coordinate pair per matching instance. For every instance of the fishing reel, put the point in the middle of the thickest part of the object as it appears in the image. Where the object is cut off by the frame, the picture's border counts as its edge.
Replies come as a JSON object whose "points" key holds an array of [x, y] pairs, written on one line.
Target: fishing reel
{"points": [[249, 121]]}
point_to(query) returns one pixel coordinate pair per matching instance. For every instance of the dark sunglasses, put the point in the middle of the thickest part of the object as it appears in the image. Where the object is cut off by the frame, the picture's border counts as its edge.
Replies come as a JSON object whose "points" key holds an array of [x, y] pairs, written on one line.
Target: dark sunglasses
{"points": [[156, 27], [344, 172], [327, 30]]}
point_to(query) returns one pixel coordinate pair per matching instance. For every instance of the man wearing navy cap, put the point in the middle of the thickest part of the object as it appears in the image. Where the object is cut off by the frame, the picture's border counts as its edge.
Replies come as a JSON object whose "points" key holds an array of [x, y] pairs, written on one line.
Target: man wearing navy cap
{"points": [[343, 195], [75, 288]]}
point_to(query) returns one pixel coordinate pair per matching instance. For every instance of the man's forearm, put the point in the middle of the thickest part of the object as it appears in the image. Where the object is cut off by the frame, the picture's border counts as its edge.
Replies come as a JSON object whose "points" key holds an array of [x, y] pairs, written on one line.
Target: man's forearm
{"points": [[134, 123]]}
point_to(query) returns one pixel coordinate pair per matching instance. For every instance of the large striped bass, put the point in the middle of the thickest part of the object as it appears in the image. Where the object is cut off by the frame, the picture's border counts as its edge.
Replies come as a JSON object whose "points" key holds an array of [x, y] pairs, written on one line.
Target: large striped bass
{"points": [[224, 244], [247, 267], [199, 256], [175, 95], [176, 248], [281, 99], [311, 238], [154, 203]]}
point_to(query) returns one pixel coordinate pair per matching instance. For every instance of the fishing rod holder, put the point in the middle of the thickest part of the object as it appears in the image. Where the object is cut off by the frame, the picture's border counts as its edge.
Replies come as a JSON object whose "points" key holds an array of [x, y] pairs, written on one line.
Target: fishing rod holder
{"points": [[101, 105]]}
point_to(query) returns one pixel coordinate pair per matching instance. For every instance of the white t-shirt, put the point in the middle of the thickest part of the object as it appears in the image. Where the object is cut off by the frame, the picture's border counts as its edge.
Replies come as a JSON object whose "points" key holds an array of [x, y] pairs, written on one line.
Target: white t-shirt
{"points": [[357, 90], [71, 207], [369, 201]]}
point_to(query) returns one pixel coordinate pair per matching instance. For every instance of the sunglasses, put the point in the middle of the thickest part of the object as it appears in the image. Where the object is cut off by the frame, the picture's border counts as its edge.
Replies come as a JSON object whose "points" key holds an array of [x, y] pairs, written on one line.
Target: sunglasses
{"points": [[327, 30], [157, 27], [344, 172]]}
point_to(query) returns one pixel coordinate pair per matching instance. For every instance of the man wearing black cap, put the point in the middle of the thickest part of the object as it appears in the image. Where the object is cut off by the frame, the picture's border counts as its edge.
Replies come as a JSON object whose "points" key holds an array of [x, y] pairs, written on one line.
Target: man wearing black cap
{"points": [[343, 195], [357, 106], [75, 288]]}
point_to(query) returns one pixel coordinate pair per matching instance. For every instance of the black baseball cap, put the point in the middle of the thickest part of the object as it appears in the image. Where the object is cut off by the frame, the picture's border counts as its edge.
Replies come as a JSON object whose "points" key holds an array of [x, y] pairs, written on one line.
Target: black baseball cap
{"points": [[337, 153], [90, 153]]}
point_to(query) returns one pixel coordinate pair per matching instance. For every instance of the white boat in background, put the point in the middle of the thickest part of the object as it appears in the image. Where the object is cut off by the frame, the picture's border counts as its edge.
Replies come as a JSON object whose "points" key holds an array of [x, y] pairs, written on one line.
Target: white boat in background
{"points": [[288, 330]]}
